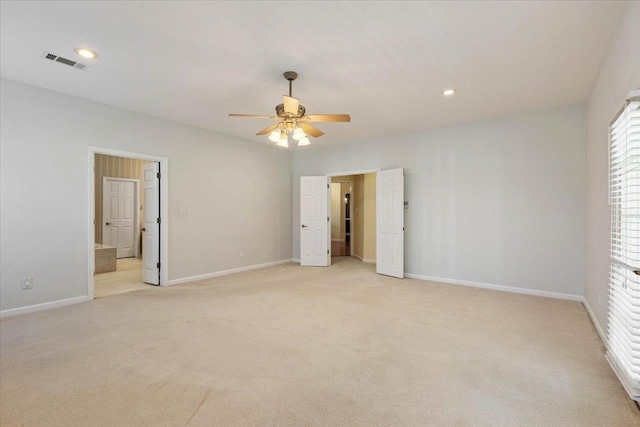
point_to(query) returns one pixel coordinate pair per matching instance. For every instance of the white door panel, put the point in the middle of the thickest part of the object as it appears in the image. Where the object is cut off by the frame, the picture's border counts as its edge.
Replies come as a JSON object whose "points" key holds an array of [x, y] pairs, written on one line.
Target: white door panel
{"points": [[314, 231], [151, 228], [390, 222], [119, 211]]}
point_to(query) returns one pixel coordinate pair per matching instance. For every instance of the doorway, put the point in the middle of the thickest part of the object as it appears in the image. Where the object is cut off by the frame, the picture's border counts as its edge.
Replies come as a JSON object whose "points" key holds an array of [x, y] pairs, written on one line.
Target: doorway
{"points": [[127, 222], [388, 217], [341, 217], [353, 216]]}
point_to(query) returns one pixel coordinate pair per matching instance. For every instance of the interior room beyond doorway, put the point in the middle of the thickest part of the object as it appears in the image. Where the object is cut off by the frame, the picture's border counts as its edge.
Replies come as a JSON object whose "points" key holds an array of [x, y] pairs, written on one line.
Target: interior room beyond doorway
{"points": [[353, 216], [119, 205]]}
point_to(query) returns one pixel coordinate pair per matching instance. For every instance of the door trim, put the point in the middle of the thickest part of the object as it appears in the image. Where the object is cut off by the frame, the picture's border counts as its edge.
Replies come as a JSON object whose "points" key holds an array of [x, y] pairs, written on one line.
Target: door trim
{"points": [[358, 172], [136, 220], [164, 210]]}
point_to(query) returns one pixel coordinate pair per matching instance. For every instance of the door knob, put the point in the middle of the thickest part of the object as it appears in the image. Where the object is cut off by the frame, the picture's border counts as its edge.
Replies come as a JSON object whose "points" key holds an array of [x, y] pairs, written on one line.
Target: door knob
{"points": [[108, 223], [304, 226], [144, 229]]}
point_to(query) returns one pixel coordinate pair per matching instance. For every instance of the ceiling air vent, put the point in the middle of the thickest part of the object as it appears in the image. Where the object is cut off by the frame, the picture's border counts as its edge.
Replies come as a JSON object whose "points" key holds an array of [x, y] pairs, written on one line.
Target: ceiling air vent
{"points": [[65, 61]]}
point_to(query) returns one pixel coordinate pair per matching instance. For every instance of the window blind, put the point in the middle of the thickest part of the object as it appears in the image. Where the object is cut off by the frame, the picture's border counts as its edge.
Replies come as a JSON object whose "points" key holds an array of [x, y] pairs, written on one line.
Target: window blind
{"points": [[624, 285]]}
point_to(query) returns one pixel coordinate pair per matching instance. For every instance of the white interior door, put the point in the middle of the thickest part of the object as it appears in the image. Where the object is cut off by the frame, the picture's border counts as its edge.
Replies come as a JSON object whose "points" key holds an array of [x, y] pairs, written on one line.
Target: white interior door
{"points": [[390, 222], [314, 221], [151, 224], [120, 215]]}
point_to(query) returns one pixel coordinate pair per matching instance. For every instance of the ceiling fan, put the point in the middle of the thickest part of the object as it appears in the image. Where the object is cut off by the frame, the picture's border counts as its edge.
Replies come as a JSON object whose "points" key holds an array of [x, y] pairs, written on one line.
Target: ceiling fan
{"points": [[292, 118]]}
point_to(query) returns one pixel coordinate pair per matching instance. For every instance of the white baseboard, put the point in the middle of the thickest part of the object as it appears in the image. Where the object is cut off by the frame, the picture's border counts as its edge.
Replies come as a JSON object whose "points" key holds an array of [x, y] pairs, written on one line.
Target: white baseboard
{"points": [[633, 390], [297, 260], [355, 255], [337, 240], [525, 291], [594, 320], [225, 272], [369, 261], [43, 306]]}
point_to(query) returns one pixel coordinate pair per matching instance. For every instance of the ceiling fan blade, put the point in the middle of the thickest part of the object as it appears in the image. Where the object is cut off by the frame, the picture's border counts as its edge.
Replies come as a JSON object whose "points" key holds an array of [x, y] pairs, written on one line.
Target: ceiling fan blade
{"points": [[310, 130], [328, 118], [290, 104], [267, 130], [254, 116]]}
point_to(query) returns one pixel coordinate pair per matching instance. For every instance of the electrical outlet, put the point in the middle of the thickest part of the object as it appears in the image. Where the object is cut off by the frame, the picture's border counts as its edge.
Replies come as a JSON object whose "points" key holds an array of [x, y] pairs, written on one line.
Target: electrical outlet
{"points": [[183, 209], [241, 254], [440, 261], [27, 283]]}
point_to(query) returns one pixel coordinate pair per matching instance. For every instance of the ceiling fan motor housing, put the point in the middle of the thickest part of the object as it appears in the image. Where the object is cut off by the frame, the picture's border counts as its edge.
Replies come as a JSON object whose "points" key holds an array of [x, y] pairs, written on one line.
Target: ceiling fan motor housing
{"points": [[281, 113]]}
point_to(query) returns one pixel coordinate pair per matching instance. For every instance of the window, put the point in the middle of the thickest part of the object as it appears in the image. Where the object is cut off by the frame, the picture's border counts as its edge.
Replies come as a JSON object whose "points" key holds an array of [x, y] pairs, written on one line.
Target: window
{"points": [[624, 277]]}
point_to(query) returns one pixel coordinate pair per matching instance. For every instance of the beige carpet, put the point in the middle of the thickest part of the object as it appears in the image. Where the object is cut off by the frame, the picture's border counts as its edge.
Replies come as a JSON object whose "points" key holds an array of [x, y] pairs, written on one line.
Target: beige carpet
{"points": [[292, 346]]}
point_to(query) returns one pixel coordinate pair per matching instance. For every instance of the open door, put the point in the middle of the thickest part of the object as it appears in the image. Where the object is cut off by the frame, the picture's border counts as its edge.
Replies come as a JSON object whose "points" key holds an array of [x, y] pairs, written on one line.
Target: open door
{"points": [[151, 224], [314, 221], [390, 222]]}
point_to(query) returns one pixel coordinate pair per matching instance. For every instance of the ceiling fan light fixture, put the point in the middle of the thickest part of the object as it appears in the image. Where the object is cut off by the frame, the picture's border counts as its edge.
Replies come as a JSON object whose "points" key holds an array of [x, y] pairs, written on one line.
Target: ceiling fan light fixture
{"points": [[299, 134], [275, 136], [448, 92], [284, 141], [304, 141]]}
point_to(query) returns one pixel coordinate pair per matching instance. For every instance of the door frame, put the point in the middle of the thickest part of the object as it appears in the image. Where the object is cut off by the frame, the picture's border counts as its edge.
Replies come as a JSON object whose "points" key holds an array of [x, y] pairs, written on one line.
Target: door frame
{"points": [[136, 220], [164, 210], [352, 183]]}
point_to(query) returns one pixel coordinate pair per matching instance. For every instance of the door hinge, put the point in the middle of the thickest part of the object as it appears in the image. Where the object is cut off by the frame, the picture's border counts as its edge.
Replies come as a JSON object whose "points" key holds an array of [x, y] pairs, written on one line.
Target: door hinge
{"points": [[158, 266], [94, 221], [158, 221], [327, 251], [328, 186], [158, 175], [327, 219]]}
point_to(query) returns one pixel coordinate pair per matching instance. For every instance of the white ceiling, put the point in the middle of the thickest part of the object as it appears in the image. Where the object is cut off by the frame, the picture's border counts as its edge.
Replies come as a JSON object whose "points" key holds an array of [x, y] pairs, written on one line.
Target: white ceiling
{"points": [[385, 63]]}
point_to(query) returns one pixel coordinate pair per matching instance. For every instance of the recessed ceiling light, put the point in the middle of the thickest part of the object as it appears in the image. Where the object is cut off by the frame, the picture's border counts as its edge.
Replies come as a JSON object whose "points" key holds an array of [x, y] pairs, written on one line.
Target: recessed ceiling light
{"points": [[448, 92], [86, 53]]}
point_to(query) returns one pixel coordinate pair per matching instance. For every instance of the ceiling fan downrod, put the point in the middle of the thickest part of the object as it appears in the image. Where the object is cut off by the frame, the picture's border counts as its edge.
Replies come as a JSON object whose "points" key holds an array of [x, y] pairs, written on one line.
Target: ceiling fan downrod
{"points": [[291, 76]]}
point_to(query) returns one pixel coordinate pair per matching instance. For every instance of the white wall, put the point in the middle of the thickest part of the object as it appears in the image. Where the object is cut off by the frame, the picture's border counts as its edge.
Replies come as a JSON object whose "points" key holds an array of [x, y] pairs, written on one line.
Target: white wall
{"points": [[237, 193], [501, 201], [618, 75]]}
